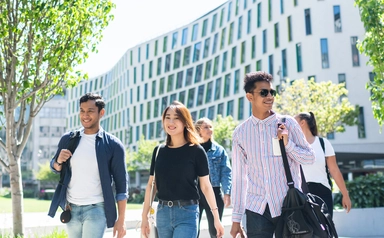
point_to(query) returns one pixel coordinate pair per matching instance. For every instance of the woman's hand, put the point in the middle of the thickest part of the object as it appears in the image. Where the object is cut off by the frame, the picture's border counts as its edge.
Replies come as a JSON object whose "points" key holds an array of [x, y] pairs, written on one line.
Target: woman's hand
{"points": [[219, 228], [346, 201], [227, 200], [145, 228]]}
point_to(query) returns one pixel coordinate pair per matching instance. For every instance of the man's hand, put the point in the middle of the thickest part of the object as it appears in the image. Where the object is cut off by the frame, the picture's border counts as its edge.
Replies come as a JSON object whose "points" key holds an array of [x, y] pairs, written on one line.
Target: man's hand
{"points": [[282, 133], [119, 228], [237, 230]]}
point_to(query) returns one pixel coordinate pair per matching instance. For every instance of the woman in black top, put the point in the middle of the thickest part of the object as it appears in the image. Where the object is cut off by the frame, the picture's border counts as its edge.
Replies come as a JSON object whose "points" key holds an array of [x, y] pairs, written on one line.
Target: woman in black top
{"points": [[178, 166]]}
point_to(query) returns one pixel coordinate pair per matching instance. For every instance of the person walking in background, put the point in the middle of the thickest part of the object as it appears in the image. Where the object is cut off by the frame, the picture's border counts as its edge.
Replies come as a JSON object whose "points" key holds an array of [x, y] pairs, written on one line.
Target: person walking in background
{"points": [[259, 181], [316, 174], [179, 166], [96, 164], [219, 173]]}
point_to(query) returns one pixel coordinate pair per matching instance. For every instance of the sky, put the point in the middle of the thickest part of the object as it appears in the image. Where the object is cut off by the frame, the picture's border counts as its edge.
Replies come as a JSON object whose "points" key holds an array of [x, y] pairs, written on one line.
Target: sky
{"points": [[138, 21]]}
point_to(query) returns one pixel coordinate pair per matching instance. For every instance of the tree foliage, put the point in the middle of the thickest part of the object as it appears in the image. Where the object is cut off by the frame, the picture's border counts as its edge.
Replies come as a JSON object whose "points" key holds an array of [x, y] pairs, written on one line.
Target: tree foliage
{"points": [[141, 159], [372, 15], [326, 100], [223, 128], [46, 177], [40, 44]]}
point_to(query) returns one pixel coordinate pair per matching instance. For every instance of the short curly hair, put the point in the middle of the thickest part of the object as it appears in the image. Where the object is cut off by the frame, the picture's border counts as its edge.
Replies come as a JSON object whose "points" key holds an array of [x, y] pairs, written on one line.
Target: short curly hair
{"points": [[251, 78]]}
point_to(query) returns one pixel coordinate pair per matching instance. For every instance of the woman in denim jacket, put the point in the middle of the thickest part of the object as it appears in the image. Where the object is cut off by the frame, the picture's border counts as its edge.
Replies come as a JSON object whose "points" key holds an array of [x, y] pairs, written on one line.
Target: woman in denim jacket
{"points": [[219, 172]]}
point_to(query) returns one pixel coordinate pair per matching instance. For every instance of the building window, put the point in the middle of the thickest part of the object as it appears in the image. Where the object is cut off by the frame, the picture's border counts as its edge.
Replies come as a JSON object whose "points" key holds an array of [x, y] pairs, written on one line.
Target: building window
{"points": [[206, 47], [259, 15], [142, 72], [258, 65], [265, 41], [237, 7], [156, 43], [337, 18], [202, 113], [222, 42], [148, 110], [236, 82], [284, 68], [141, 112], [208, 94], [208, 66], [159, 66], [220, 109], [308, 28], [200, 95], [224, 64], [167, 63], [222, 16], [195, 30], [299, 61], [145, 90], [198, 73], [205, 25], [153, 88], [174, 39], [342, 79], [253, 50], [371, 79], [138, 54], [176, 60], [239, 27], [276, 35], [159, 128], [182, 97], [312, 77], [214, 18], [170, 83], [269, 10], [150, 69], [211, 112], [230, 34], [164, 103], [147, 52], [295, 3], [289, 21], [270, 61], [324, 53], [227, 84], [184, 36], [355, 52], [240, 109], [242, 52], [281, 6], [215, 39], [196, 52], [218, 89], [161, 87], [165, 44], [216, 65], [188, 78], [230, 108], [360, 123], [229, 12], [233, 58], [249, 21], [179, 79], [172, 97], [191, 97], [187, 56]]}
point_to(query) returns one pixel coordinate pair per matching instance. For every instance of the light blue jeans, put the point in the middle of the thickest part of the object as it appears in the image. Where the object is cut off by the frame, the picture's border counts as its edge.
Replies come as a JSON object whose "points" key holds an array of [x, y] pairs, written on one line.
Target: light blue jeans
{"points": [[87, 221], [177, 221]]}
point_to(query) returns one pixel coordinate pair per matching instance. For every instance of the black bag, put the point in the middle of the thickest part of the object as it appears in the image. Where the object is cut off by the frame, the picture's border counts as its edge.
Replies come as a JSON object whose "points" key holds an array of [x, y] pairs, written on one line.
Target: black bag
{"points": [[303, 215]]}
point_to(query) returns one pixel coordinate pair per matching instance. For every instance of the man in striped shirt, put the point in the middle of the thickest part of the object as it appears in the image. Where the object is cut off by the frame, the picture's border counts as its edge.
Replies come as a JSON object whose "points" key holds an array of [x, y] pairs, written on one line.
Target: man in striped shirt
{"points": [[259, 182]]}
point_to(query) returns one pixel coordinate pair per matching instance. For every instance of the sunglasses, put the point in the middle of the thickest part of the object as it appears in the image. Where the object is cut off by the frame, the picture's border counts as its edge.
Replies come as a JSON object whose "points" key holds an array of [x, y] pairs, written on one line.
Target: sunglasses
{"points": [[264, 92]]}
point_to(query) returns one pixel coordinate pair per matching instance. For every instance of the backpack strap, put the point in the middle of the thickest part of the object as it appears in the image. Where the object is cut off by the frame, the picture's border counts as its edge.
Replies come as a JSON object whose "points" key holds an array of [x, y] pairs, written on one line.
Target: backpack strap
{"points": [[326, 166]]}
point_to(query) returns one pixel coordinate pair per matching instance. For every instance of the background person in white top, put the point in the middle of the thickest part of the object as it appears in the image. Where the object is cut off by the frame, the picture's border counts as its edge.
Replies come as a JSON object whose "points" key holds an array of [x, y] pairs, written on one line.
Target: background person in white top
{"points": [[316, 174]]}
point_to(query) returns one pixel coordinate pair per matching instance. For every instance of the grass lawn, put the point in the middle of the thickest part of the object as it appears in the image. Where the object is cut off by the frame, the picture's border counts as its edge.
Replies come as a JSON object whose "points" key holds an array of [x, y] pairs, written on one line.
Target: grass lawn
{"points": [[36, 205]]}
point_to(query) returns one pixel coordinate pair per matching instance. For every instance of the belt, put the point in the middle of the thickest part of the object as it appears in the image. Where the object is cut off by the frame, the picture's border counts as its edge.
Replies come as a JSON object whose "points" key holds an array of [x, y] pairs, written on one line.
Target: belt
{"points": [[178, 202]]}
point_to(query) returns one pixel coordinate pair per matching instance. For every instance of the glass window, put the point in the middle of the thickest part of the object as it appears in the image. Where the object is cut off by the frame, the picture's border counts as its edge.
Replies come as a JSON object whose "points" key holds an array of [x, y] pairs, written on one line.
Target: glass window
{"points": [[224, 65], [265, 41], [205, 25], [220, 109], [150, 69], [172, 97], [270, 60], [216, 65], [245, 4], [206, 47], [195, 30], [249, 21], [202, 113], [161, 87], [269, 10], [182, 97], [218, 89], [242, 52], [164, 103], [176, 60], [312, 77], [159, 128], [247, 69], [230, 108], [253, 50], [156, 43], [281, 6], [188, 78], [308, 28], [148, 110], [276, 35], [151, 131], [236, 82], [289, 21], [159, 66], [200, 95], [187, 55], [167, 63], [191, 97], [147, 52], [145, 90], [337, 18], [237, 7], [179, 79], [229, 11], [324, 53], [259, 15], [230, 35], [138, 54], [227, 84], [142, 72], [371, 79], [361, 124], [258, 65], [240, 109], [184, 36], [134, 76], [215, 39], [174, 39], [211, 112], [239, 27], [207, 73], [222, 16], [141, 112], [198, 73], [170, 83], [196, 52], [222, 42], [233, 58], [295, 3], [298, 58], [138, 133], [165, 44], [208, 94], [355, 51], [214, 17], [284, 68]]}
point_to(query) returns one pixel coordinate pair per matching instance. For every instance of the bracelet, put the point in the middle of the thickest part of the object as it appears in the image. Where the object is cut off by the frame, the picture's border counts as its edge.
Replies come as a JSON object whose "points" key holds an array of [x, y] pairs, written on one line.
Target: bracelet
{"points": [[214, 209], [59, 164]]}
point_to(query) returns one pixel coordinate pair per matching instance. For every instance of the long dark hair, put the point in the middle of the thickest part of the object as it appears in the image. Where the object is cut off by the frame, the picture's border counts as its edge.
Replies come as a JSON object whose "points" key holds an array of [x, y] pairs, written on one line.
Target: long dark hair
{"points": [[190, 134], [309, 117]]}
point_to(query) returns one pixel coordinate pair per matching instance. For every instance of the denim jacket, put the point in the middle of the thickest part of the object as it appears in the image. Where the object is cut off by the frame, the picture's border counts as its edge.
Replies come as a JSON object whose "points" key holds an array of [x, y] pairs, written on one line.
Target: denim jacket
{"points": [[219, 168], [110, 155]]}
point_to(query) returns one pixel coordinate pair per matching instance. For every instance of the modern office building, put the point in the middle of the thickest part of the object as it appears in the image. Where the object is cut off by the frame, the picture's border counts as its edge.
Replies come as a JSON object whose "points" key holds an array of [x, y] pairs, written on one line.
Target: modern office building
{"points": [[202, 64]]}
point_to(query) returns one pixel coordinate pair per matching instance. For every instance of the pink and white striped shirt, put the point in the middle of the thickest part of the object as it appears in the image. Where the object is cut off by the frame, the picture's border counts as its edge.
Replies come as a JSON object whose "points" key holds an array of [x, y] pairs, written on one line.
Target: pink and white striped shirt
{"points": [[258, 175]]}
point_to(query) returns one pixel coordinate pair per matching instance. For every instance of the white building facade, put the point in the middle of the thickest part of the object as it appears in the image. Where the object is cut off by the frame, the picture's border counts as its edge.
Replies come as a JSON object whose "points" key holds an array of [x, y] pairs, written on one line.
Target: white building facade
{"points": [[203, 64]]}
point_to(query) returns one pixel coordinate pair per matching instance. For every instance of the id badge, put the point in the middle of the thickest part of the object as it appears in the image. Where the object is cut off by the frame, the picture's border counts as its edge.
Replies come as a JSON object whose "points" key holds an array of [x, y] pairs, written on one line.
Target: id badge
{"points": [[276, 147]]}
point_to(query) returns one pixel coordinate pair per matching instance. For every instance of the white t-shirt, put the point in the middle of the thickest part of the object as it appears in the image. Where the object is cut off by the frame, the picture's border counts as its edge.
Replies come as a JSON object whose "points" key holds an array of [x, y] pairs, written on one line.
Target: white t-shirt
{"points": [[316, 172], [85, 187]]}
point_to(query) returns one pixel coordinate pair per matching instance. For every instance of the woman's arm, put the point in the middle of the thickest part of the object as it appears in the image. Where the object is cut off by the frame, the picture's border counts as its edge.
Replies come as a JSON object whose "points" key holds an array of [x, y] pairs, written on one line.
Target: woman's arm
{"points": [[338, 177], [146, 206]]}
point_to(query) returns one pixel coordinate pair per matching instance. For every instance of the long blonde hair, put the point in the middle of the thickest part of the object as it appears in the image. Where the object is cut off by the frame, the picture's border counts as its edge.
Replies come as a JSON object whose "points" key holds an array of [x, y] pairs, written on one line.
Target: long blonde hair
{"points": [[200, 122]]}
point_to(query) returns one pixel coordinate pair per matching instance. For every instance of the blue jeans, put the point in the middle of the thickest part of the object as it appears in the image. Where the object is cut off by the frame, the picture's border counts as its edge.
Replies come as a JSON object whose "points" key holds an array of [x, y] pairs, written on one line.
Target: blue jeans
{"points": [[87, 221], [177, 221], [261, 226]]}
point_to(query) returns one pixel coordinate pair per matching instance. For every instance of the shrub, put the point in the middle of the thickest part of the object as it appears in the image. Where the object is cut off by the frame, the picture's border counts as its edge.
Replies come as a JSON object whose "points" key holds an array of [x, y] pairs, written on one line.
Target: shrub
{"points": [[364, 191]]}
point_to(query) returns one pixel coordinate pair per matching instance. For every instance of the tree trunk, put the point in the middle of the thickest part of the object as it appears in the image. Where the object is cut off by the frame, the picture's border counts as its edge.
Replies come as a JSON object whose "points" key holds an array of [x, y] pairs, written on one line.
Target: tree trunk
{"points": [[17, 198]]}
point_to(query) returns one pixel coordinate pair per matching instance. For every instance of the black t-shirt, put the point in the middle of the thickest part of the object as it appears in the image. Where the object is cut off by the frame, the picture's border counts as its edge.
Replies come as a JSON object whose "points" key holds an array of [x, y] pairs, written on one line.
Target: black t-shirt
{"points": [[177, 171]]}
